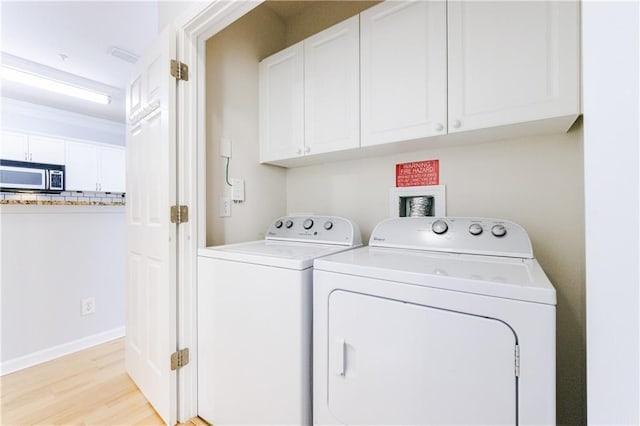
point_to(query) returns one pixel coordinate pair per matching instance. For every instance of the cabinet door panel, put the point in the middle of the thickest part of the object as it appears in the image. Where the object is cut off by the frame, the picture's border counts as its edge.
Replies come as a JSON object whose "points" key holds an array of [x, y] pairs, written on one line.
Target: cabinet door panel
{"points": [[331, 88], [282, 105], [14, 146], [112, 169], [403, 71], [512, 62], [81, 166], [46, 150]]}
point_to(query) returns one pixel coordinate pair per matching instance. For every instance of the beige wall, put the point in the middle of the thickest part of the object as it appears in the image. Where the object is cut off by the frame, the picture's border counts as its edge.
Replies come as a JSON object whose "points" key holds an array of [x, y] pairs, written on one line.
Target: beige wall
{"points": [[536, 182], [321, 15], [232, 59]]}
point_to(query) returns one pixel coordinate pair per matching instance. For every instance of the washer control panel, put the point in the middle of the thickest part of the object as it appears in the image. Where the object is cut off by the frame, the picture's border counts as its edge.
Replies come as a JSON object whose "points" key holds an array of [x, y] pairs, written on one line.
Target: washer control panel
{"points": [[315, 229], [492, 237]]}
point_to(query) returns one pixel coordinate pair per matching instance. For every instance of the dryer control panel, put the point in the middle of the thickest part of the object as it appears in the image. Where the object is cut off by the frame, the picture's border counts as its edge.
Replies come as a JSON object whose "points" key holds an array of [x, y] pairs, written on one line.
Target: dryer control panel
{"points": [[315, 229], [491, 237]]}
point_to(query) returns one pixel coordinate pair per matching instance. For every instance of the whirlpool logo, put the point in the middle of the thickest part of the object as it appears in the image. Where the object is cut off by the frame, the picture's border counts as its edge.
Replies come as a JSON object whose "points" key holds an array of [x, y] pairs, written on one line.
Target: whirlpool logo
{"points": [[378, 239]]}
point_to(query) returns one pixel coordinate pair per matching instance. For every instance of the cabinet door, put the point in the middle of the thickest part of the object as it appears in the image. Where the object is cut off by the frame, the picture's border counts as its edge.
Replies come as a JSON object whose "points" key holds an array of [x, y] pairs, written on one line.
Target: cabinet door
{"points": [[332, 88], [512, 62], [14, 147], [112, 169], [282, 105], [81, 166], [46, 150], [403, 71]]}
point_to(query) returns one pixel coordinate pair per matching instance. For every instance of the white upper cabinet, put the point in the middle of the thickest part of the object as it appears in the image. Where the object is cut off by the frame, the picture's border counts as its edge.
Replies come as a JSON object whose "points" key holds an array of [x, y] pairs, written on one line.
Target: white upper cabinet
{"points": [[282, 105], [112, 169], [46, 150], [403, 71], [81, 167], [95, 167], [332, 89], [15, 146], [36, 149], [512, 62]]}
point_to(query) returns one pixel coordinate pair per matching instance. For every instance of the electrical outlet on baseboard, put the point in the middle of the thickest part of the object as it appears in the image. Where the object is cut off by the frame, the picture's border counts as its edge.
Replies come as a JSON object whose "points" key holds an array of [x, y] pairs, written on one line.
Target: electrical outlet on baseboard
{"points": [[88, 306]]}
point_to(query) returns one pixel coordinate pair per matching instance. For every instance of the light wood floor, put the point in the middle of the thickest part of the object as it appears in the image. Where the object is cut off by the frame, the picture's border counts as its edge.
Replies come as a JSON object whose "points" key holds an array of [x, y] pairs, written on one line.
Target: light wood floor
{"points": [[89, 387]]}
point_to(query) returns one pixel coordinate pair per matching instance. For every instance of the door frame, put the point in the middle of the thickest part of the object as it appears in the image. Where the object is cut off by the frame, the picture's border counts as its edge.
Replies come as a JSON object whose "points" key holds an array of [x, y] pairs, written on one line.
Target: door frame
{"points": [[198, 24]]}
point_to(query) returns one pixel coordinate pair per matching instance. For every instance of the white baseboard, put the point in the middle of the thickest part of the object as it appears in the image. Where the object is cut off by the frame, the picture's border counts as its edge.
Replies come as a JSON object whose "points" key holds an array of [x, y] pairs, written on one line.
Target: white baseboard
{"points": [[45, 355]]}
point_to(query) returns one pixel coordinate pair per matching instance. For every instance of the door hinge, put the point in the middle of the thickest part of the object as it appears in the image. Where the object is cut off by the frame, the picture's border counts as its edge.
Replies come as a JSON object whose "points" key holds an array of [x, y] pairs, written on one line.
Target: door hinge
{"points": [[517, 360], [179, 214], [179, 358], [179, 70]]}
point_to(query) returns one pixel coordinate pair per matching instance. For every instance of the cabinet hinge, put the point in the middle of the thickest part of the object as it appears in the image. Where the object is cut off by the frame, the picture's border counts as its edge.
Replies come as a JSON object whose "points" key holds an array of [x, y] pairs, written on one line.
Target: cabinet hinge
{"points": [[179, 358], [179, 214], [517, 360], [179, 70]]}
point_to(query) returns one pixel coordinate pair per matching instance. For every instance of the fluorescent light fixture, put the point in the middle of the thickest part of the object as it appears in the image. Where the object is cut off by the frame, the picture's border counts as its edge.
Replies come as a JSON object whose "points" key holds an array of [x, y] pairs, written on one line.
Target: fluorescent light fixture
{"points": [[56, 86]]}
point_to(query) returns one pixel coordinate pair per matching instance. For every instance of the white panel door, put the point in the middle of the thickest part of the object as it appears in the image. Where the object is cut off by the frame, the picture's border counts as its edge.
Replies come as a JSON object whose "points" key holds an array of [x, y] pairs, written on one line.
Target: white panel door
{"points": [[282, 105], [46, 150], [112, 169], [332, 88], [392, 362], [14, 146], [512, 62], [403, 71], [81, 170], [151, 246]]}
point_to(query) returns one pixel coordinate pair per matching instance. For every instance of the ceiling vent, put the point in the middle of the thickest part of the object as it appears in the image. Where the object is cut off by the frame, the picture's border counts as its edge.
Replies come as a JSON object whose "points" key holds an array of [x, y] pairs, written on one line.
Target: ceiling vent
{"points": [[124, 55]]}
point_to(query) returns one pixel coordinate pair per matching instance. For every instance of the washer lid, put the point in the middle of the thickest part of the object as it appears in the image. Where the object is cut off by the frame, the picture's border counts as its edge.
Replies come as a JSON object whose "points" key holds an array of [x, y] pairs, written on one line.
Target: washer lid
{"points": [[510, 278], [282, 254]]}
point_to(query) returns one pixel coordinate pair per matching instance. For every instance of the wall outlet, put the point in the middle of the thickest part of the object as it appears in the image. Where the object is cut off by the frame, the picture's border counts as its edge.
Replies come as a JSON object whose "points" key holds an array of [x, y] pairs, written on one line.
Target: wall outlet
{"points": [[225, 207], [88, 306], [225, 148]]}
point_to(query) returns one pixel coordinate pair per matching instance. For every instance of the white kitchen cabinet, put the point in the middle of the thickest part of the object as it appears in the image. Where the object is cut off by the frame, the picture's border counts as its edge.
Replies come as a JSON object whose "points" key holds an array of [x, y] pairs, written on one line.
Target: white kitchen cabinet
{"points": [[282, 104], [95, 167], [112, 169], [82, 166], [512, 62], [403, 71], [332, 89], [36, 149], [46, 150]]}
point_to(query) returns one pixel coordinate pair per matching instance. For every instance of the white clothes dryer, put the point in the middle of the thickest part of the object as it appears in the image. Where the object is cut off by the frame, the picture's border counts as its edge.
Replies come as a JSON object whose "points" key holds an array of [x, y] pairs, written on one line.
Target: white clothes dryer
{"points": [[254, 321], [438, 321]]}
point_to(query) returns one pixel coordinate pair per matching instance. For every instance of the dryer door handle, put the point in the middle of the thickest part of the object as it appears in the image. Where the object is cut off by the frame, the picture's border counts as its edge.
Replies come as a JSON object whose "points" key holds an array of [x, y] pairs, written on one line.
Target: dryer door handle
{"points": [[340, 354]]}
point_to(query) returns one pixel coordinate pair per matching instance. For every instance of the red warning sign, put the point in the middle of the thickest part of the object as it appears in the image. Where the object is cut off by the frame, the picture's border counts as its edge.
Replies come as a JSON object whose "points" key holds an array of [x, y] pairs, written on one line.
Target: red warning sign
{"points": [[418, 173]]}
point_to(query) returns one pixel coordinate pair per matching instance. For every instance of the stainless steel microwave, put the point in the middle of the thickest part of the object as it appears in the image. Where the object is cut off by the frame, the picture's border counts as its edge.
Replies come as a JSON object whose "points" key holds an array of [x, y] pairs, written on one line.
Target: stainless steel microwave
{"points": [[22, 176]]}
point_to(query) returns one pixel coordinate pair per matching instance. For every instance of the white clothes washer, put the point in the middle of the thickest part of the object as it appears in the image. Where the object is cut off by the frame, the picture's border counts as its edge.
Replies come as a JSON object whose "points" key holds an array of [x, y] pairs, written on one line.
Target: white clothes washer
{"points": [[438, 321], [254, 321]]}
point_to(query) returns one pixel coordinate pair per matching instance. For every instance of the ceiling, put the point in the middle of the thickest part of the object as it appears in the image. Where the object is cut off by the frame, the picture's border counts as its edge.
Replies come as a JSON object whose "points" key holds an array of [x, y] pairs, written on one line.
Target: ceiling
{"points": [[35, 34]]}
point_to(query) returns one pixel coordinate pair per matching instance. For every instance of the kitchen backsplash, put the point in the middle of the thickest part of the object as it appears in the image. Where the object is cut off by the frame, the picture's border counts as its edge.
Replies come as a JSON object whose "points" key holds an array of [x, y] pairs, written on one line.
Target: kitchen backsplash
{"points": [[81, 198]]}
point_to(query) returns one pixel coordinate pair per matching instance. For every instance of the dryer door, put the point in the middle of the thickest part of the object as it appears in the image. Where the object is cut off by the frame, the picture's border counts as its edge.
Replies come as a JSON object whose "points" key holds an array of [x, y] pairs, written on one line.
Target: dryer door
{"points": [[392, 362]]}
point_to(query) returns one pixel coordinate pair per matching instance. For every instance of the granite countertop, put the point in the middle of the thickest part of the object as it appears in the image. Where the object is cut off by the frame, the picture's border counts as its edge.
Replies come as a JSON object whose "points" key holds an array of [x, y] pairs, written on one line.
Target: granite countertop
{"points": [[61, 203]]}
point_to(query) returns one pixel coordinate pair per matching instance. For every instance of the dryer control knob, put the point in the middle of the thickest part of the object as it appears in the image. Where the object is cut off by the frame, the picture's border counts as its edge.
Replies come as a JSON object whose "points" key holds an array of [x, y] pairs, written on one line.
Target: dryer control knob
{"points": [[288, 224], [499, 230], [278, 224], [328, 225], [475, 229], [439, 227], [307, 224]]}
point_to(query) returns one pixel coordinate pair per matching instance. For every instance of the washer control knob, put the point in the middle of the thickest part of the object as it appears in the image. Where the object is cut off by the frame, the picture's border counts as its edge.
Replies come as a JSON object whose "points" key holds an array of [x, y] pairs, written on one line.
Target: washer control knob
{"points": [[439, 227], [499, 230], [475, 229], [307, 224], [278, 224], [288, 223], [328, 225]]}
